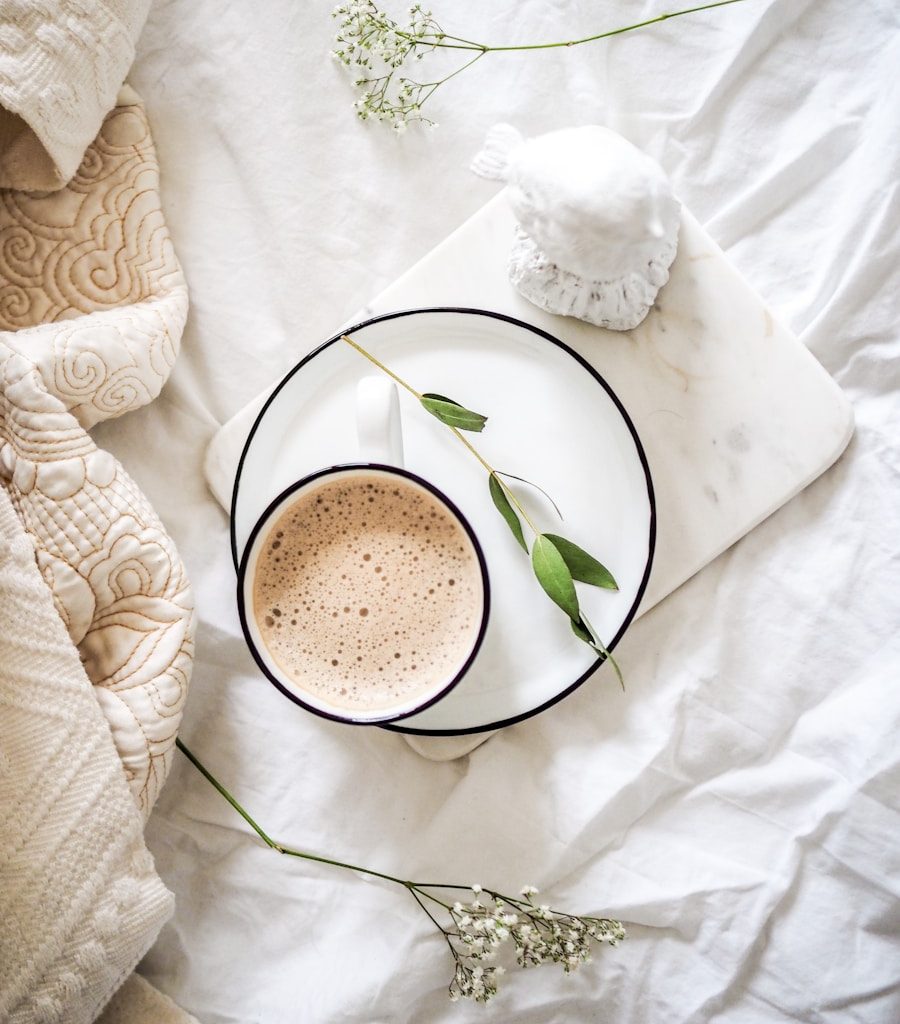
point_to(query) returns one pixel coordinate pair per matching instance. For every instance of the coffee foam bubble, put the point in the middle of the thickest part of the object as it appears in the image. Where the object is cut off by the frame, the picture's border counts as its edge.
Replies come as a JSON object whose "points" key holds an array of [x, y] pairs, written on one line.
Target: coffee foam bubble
{"points": [[367, 593]]}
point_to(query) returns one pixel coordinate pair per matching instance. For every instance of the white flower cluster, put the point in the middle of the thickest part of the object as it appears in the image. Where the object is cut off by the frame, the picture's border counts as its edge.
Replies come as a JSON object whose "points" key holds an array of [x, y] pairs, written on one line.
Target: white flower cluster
{"points": [[539, 934], [374, 47]]}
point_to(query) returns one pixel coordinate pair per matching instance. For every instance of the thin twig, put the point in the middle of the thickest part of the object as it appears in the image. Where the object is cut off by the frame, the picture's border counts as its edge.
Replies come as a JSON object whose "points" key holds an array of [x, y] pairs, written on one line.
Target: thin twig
{"points": [[611, 32]]}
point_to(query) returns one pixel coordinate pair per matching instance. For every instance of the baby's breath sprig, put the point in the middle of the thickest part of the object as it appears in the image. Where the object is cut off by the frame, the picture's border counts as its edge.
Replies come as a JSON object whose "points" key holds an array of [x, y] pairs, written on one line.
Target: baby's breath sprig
{"points": [[490, 921], [374, 48], [479, 930]]}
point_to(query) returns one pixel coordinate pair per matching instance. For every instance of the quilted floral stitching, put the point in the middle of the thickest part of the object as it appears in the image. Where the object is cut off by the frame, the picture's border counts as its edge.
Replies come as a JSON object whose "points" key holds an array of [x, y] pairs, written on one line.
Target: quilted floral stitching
{"points": [[92, 305]]}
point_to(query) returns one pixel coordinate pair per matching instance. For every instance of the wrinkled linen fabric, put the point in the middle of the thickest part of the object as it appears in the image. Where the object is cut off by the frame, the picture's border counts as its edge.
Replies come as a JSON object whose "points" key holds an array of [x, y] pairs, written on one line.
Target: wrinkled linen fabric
{"points": [[737, 805]]}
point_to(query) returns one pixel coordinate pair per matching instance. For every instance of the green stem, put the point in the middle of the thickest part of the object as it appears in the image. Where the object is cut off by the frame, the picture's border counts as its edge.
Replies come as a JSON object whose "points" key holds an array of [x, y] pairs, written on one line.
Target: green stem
{"points": [[415, 895], [448, 46], [419, 887], [381, 366], [465, 440], [214, 782], [441, 885], [599, 35], [431, 41], [601, 649], [468, 42], [431, 86], [502, 482], [286, 850]]}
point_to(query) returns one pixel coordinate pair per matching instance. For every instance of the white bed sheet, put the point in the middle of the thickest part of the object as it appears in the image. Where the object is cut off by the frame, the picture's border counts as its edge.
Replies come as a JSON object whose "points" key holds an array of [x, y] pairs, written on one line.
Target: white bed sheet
{"points": [[738, 805]]}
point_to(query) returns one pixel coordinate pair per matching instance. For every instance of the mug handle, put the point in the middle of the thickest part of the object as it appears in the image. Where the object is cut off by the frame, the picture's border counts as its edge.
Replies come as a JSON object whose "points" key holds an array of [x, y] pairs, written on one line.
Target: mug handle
{"points": [[378, 425]]}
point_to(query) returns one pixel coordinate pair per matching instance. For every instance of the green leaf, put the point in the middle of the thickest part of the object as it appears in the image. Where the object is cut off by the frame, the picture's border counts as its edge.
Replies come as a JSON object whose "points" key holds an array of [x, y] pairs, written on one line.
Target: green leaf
{"points": [[580, 630], [452, 413], [441, 398], [582, 566], [506, 510], [615, 665], [554, 576], [585, 631]]}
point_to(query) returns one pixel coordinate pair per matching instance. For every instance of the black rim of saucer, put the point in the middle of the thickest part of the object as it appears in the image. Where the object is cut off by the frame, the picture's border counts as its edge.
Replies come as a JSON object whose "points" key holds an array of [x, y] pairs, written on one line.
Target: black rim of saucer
{"points": [[651, 540], [265, 520]]}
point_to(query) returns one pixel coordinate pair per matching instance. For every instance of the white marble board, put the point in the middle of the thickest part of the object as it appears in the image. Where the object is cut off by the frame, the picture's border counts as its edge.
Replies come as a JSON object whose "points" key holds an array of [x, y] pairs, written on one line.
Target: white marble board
{"points": [[734, 413]]}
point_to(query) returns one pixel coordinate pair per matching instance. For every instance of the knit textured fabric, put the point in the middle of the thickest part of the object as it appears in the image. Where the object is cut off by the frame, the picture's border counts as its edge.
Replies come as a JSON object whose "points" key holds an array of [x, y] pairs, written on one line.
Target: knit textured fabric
{"points": [[137, 1001], [80, 900], [61, 65]]}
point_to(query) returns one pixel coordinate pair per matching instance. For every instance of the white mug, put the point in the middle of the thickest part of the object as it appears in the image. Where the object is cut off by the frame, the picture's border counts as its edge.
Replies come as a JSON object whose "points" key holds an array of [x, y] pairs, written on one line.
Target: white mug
{"points": [[381, 452]]}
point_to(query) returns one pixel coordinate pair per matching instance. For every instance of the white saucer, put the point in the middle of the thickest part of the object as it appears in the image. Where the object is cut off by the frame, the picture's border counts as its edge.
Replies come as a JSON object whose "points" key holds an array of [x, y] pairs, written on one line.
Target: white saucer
{"points": [[552, 419]]}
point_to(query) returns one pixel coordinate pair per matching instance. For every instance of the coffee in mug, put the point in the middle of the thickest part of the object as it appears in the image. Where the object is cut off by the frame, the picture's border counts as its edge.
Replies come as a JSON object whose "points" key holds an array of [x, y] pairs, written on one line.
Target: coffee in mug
{"points": [[367, 591], [364, 593]]}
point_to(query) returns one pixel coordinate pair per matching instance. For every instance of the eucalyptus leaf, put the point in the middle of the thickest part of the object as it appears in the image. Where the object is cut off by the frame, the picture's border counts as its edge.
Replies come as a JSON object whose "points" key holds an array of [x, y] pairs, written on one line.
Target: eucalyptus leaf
{"points": [[506, 510], [608, 655], [554, 576], [615, 665], [585, 631], [580, 630], [452, 413], [537, 487], [582, 566], [441, 398]]}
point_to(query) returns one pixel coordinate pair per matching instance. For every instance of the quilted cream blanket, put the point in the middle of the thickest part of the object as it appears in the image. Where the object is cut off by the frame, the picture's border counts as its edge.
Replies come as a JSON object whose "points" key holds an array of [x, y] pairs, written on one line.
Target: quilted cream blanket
{"points": [[92, 306]]}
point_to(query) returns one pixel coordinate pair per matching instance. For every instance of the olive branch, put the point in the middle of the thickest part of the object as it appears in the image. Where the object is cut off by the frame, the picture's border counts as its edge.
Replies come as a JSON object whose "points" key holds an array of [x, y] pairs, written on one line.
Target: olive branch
{"points": [[557, 562]]}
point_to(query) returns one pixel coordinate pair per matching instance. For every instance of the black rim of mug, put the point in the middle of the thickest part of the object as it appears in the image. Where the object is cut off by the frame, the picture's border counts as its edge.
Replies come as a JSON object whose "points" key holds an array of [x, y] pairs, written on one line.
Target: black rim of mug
{"points": [[266, 519]]}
